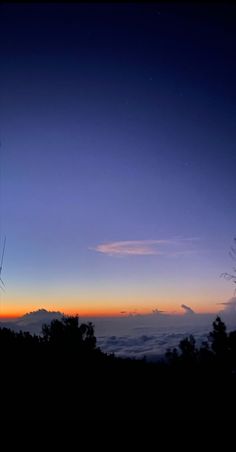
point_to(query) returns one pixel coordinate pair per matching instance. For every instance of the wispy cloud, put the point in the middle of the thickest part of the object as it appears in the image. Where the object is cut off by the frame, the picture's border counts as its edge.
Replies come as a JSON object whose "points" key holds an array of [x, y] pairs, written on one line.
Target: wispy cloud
{"points": [[230, 305], [187, 309], [157, 311], [171, 247]]}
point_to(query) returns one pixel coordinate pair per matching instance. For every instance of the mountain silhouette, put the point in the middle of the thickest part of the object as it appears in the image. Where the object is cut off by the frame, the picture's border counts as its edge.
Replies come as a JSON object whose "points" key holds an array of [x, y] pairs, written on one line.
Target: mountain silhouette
{"points": [[41, 315], [33, 321]]}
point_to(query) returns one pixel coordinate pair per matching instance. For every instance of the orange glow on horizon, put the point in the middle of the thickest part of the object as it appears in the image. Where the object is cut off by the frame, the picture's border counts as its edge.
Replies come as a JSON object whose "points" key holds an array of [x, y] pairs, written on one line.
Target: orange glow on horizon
{"points": [[108, 306], [86, 311]]}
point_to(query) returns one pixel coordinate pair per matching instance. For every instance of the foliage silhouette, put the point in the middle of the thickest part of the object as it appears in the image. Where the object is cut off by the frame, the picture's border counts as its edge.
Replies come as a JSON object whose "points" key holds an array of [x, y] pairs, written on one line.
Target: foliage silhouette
{"points": [[188, 348], [62, 374], [219, 339]]}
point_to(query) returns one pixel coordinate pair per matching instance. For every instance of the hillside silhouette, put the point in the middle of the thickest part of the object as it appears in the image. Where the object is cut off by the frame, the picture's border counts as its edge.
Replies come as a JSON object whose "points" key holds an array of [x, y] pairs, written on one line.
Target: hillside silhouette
{"points": [[62, 374]]}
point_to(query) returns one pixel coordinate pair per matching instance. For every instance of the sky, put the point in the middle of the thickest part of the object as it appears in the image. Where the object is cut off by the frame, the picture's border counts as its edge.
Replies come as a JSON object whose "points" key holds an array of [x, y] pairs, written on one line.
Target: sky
{"points": [[117, 158]]}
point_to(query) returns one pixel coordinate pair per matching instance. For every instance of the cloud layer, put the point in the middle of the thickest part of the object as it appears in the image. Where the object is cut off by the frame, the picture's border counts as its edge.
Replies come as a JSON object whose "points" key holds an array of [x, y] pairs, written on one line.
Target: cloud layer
{"points": [[151, 335], [137, 336], [151, 346], [171, 247]]}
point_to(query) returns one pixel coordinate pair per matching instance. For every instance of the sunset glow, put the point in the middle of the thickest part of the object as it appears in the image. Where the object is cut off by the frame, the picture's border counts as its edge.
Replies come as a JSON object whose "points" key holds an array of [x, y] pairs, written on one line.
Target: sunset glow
{"points": [[117, 159]]}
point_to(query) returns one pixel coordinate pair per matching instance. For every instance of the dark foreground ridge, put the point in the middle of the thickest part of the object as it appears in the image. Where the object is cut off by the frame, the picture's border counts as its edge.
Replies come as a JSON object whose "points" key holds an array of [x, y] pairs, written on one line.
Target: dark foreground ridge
{"points": [[62, 374]]}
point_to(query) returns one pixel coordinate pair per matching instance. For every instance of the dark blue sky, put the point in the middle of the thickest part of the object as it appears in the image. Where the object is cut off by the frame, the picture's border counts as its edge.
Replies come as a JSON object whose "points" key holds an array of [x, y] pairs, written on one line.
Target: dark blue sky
{"points": [[118, 157]]}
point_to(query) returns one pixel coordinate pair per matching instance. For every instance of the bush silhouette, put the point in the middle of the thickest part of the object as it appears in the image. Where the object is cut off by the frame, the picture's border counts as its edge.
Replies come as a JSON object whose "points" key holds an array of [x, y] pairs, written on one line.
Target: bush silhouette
{"points": [[68, 335], [70, 377], [219, 339]]}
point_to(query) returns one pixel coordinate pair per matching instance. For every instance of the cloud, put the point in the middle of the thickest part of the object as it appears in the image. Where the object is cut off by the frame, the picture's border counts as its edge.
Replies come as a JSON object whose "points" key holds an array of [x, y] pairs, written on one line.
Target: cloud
{"points": [[157, 311], [151, 346], [150, 335], [130, 247], [229, 306], [130, 313], [171, 247], [187, 309]]}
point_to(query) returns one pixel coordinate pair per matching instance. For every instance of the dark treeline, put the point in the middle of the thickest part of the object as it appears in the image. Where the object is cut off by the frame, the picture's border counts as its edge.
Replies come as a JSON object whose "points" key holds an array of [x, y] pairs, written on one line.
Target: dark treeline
{"points": [[62, 374]]}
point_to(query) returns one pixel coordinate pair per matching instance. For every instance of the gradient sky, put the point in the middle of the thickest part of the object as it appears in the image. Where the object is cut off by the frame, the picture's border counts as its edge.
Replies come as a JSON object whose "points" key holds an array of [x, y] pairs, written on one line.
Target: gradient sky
{"points": [[117, 127]]}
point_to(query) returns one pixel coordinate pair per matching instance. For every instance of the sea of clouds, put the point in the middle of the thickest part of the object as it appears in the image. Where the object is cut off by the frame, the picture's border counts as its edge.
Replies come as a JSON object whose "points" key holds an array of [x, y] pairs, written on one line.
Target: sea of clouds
{"points": [[138, 336], [151, 335]]}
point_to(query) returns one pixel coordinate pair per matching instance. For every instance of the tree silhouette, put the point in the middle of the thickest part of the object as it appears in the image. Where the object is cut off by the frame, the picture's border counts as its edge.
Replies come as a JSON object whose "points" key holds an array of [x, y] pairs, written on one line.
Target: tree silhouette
{"points": [[67, 333], [188, 349], [172, 355], [219, 339], [67, 371]]}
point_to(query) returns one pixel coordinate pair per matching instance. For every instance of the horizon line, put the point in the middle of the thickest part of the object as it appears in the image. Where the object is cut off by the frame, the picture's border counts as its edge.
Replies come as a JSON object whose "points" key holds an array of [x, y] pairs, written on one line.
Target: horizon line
{"points": [[105, 314]]}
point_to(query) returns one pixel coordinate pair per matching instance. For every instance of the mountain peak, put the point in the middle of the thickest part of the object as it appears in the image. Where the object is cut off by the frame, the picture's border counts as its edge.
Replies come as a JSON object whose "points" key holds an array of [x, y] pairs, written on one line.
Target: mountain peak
{"points": [[40, 313]]}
